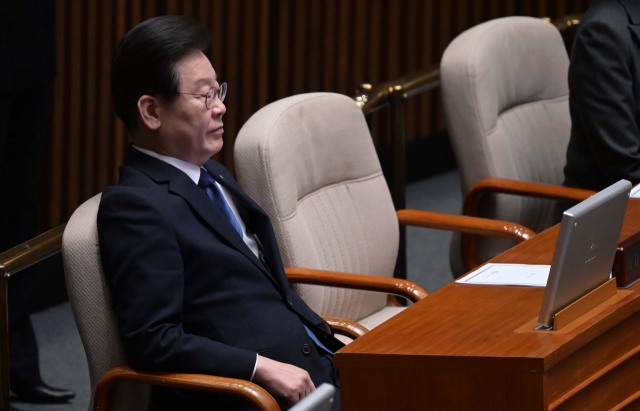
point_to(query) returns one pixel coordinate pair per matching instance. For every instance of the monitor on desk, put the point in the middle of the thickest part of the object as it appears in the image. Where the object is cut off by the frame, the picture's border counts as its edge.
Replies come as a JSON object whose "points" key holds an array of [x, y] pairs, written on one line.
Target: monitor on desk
{"points": [[585, 249]]}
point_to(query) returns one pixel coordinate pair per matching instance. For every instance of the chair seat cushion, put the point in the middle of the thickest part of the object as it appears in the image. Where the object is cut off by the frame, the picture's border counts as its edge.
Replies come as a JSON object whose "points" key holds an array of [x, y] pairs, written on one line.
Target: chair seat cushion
{"points": [[379, 317], [373, 320]]}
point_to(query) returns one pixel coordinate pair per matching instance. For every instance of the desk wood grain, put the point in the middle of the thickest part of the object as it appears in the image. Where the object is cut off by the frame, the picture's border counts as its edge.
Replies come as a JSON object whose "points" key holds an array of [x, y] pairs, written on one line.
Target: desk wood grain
{"points": [[458, 349]]}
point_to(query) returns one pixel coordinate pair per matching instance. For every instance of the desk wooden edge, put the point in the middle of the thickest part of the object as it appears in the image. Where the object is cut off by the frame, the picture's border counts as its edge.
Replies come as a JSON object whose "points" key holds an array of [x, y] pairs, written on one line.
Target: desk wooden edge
{"points": [[529, 326]]}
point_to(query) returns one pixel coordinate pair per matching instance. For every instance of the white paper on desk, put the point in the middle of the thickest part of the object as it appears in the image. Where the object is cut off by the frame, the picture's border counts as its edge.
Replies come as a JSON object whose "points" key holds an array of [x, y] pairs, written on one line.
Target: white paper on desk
{"points": [[635, 192], [509, 274]]}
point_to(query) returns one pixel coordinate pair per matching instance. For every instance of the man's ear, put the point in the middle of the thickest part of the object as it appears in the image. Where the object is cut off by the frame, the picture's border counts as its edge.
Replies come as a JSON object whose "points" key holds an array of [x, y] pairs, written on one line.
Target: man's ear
{"points": [[148, 109]]}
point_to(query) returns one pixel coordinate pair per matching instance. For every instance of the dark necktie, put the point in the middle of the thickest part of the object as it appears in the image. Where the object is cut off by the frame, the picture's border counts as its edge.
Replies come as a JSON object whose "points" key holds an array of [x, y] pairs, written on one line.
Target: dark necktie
{"points": [[209, 186], [316, 340]]}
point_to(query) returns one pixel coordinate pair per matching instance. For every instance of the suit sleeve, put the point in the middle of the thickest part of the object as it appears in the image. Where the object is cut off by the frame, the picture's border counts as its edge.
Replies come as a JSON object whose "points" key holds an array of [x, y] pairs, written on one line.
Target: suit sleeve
{"points": [[144, 269], [601, 84]]}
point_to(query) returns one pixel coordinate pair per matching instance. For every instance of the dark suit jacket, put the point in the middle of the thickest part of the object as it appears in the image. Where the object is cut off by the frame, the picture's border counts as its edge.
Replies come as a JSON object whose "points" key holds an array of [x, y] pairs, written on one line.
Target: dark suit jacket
{"points": [[188, 294], [604, 85]]}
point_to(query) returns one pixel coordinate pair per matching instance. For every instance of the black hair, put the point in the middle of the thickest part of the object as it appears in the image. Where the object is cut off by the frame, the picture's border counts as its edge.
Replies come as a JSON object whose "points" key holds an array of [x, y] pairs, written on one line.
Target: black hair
{"points": [[144, 62]]}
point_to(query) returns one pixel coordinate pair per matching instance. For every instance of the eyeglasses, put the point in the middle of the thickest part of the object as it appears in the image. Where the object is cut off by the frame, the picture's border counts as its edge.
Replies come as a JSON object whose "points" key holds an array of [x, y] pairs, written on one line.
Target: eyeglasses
{"points": [[210, 96]]}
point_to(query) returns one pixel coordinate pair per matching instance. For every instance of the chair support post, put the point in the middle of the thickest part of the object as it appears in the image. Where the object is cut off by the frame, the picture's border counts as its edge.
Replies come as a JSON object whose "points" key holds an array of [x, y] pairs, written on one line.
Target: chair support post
{"points": [[398, 177], [4, 340], [394, 94]]}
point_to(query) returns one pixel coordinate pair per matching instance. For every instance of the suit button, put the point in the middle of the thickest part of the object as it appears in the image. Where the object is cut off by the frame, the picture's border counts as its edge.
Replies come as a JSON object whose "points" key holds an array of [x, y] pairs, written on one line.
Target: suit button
{"points": [[306, 349], [290, 303]]}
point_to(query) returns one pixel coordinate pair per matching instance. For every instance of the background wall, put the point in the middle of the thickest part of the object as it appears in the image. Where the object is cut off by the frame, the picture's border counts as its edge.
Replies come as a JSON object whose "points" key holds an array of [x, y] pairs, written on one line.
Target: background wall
{"points": [[265, 50]]}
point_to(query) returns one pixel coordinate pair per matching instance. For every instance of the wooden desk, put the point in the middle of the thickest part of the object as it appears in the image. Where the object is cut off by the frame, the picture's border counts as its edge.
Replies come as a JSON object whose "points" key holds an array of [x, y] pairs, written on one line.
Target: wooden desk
{"points": [[460, 349]]}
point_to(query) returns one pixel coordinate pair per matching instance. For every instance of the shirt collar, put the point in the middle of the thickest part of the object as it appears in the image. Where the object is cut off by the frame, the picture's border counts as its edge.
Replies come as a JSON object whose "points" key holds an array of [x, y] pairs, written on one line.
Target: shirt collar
{"points": [[192, 170]]}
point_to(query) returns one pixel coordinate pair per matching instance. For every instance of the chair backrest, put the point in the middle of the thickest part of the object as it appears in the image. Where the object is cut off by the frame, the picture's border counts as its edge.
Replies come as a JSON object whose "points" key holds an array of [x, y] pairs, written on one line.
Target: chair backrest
{"points": [[309, 161], [506, 98], [91, 305]]}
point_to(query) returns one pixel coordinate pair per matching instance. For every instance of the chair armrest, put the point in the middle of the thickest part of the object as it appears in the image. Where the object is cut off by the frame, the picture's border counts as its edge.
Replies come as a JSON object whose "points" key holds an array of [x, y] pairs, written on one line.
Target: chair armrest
{"points": [[473, 198], [464, 224], [239, 388], [346, 327], [397, 286], [473, 202]]}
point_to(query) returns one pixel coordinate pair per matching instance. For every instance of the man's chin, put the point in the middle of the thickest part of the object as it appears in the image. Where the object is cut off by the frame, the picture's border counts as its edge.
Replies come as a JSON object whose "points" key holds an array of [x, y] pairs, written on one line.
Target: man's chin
{"points": [[215, 147]]}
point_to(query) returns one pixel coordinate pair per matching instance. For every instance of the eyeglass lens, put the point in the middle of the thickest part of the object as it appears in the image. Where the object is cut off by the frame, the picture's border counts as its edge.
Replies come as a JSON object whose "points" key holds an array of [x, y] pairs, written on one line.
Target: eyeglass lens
{"points": [[216, 92]]}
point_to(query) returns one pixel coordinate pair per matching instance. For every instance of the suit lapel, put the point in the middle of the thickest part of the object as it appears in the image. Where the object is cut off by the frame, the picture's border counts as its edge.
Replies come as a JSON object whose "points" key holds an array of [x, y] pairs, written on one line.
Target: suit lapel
{"points": [[257, 220], [214, 169], [633, 10], [214, 217], [180, 184], [635, 34]]}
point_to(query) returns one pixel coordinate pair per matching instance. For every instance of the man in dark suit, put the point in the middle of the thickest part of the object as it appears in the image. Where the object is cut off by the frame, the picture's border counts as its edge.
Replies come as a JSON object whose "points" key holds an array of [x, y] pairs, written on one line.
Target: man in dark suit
{"points": [[604, 85], [192, 263]]}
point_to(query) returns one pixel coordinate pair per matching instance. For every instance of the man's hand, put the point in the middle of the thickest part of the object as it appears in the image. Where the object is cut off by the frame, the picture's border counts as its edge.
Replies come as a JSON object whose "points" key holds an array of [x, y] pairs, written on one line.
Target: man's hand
{"points": [[283, 380]]}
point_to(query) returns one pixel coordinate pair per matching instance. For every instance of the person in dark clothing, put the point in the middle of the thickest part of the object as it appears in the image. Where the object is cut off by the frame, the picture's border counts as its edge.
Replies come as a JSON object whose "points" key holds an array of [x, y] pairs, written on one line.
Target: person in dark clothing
{"points": [[604, 99], [196, 279], [27, 67]]}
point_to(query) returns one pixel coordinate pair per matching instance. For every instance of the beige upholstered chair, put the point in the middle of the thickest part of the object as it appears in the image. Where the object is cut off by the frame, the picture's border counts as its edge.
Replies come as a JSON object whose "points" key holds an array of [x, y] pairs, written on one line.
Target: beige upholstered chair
{"points": [[91, 304], [506, 98], [309, 161]]}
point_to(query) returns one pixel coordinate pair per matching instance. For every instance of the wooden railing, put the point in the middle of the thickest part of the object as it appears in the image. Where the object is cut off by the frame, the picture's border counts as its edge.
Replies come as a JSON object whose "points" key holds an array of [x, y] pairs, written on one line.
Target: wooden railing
{"points": [[11, 262], [394, 94]]}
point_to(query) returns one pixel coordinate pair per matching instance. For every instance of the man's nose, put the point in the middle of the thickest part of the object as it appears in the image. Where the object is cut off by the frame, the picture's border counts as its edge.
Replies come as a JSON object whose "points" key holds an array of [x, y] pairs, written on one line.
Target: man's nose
{"points": [[218, 108]]}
